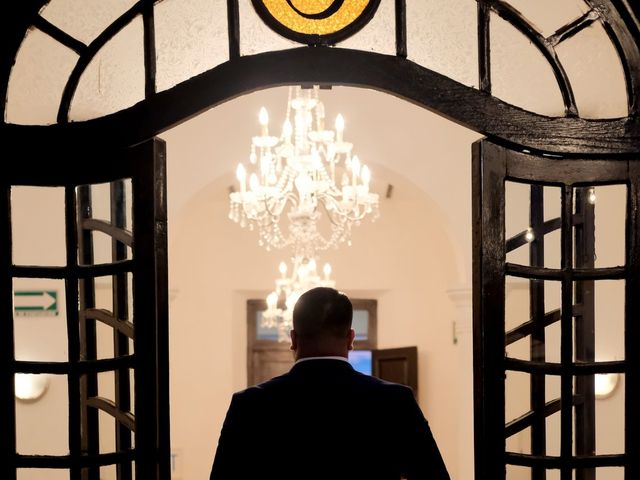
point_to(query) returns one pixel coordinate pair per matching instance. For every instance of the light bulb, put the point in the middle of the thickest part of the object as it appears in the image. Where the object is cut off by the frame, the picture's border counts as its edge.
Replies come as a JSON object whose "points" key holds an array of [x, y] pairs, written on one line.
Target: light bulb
{"points": [[339, 127], [592, 196], [287, 129], [272, 300], [254, 183], [355, 165], [529, 236], [302, 272], [312, 265], [291, 300], [327, 271], [263, 117], [366, 175], [241, 173], [283, 268]]}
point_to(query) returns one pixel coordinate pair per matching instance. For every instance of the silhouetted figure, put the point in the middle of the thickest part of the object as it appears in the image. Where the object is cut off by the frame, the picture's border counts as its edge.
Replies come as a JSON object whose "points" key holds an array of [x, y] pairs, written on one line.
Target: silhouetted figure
{"points": [[322, 419]]}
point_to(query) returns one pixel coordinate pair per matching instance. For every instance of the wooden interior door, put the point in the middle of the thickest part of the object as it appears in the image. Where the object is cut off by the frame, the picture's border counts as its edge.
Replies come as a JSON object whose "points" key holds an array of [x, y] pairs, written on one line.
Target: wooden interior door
{"points": [[399, 365]]}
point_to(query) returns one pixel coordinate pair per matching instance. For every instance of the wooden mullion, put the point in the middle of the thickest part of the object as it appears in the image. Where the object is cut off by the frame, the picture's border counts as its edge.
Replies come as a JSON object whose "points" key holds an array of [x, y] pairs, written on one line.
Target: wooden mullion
{"points": [[527, 328], [162, 304], [484, 46], [82, 271], [401, 28], [233, 26], [73, 333], [566, 340], [489, 170], [551, 462], [573, 28], [585, 415], [614, 366], [604, 273], [150, 312], [7, 348], [120, 313], [148, 20], [632, 326], [520, 238], [59, 35], [537, 338], [88, 342]]}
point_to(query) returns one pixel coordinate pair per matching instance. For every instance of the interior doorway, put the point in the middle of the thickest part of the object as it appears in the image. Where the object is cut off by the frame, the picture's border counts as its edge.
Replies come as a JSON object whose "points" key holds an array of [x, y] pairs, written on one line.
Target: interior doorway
{"points": [[407, 260]]}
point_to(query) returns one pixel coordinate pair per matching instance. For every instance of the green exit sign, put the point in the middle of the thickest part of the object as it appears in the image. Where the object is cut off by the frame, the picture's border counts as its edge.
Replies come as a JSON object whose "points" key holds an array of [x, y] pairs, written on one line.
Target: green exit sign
{"points": [[35, 302]]}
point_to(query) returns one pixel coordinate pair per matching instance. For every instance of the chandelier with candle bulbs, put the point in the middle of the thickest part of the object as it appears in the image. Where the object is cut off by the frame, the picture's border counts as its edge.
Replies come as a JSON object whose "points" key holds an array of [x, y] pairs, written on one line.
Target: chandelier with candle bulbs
{"points": [[305, 174], [292, 283], [308, 179]]}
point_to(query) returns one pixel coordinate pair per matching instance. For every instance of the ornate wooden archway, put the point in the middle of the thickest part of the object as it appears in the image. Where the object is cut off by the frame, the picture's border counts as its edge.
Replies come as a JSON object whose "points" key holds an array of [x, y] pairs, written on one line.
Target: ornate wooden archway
{"points": [[586, 152]]}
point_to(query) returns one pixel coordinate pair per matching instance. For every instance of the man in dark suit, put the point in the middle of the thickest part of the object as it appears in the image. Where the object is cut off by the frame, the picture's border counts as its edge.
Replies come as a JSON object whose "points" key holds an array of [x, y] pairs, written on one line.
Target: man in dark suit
{"points": [[322, 419]]}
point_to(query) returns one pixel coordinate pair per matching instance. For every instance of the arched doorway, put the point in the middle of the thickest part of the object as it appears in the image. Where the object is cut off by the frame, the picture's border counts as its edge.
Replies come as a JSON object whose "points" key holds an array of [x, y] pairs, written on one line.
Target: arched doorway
{"points": [[568, 135]]}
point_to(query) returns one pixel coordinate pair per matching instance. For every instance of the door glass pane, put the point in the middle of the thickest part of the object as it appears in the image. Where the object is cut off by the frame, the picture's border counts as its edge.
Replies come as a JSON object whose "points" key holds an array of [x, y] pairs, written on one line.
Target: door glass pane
{"points": [[361, 324], [263, 332], [37, 222], [42, 423]]}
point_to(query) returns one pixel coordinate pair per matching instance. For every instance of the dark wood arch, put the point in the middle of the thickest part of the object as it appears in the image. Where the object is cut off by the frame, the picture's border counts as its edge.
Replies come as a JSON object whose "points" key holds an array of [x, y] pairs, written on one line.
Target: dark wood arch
{"points": [[461, 104], [475, 109]]}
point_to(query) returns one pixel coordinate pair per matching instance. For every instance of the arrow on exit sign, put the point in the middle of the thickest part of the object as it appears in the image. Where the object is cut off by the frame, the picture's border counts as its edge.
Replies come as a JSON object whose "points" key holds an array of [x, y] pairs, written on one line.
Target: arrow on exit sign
{"points": [[35, 302]]}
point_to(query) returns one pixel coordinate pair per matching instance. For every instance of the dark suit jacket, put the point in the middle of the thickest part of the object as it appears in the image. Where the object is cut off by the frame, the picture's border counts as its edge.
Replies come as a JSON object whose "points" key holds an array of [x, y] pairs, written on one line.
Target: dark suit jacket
{"points": [[323, 420]]}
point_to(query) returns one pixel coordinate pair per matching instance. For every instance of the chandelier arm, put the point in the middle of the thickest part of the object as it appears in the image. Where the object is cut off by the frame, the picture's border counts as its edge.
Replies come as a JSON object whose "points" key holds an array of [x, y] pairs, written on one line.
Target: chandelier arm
{"points": [[341, 212]]}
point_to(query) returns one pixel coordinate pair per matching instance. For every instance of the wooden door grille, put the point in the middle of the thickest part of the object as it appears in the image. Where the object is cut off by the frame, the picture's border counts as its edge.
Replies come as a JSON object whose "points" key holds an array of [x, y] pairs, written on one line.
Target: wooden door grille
{"points": [[138, 277], [577, 276]]}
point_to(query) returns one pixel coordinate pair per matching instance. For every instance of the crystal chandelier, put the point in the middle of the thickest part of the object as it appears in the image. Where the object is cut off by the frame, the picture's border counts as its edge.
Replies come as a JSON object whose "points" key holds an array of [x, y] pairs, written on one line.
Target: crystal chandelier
{"points": [[300, 175], [292, 283]]}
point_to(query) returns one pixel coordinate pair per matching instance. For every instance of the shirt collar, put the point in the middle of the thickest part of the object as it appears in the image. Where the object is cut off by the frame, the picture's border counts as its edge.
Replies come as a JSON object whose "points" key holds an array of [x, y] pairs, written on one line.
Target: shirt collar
{"points": [[321, 358]]}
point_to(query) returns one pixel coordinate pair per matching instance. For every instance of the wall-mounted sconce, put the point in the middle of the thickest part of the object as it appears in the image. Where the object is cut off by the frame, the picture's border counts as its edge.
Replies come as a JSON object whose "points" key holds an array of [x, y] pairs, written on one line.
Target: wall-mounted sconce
{"points": [[30, 387], [605, 384]]}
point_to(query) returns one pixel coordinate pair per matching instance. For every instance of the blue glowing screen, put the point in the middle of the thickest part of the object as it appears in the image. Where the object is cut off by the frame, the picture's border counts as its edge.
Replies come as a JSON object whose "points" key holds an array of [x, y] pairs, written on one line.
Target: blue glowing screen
{"points": [[361, 360]]}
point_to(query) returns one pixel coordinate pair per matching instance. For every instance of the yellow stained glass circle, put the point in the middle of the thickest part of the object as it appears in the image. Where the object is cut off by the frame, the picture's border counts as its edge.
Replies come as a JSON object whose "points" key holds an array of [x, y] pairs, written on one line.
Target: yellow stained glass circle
{"points": [[308, 20]]}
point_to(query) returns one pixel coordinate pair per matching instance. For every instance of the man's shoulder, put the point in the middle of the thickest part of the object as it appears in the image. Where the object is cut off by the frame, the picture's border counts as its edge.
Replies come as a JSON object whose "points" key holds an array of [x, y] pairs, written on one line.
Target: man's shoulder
{"points": [[383, 385], [275, 383], [366, 383]]}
